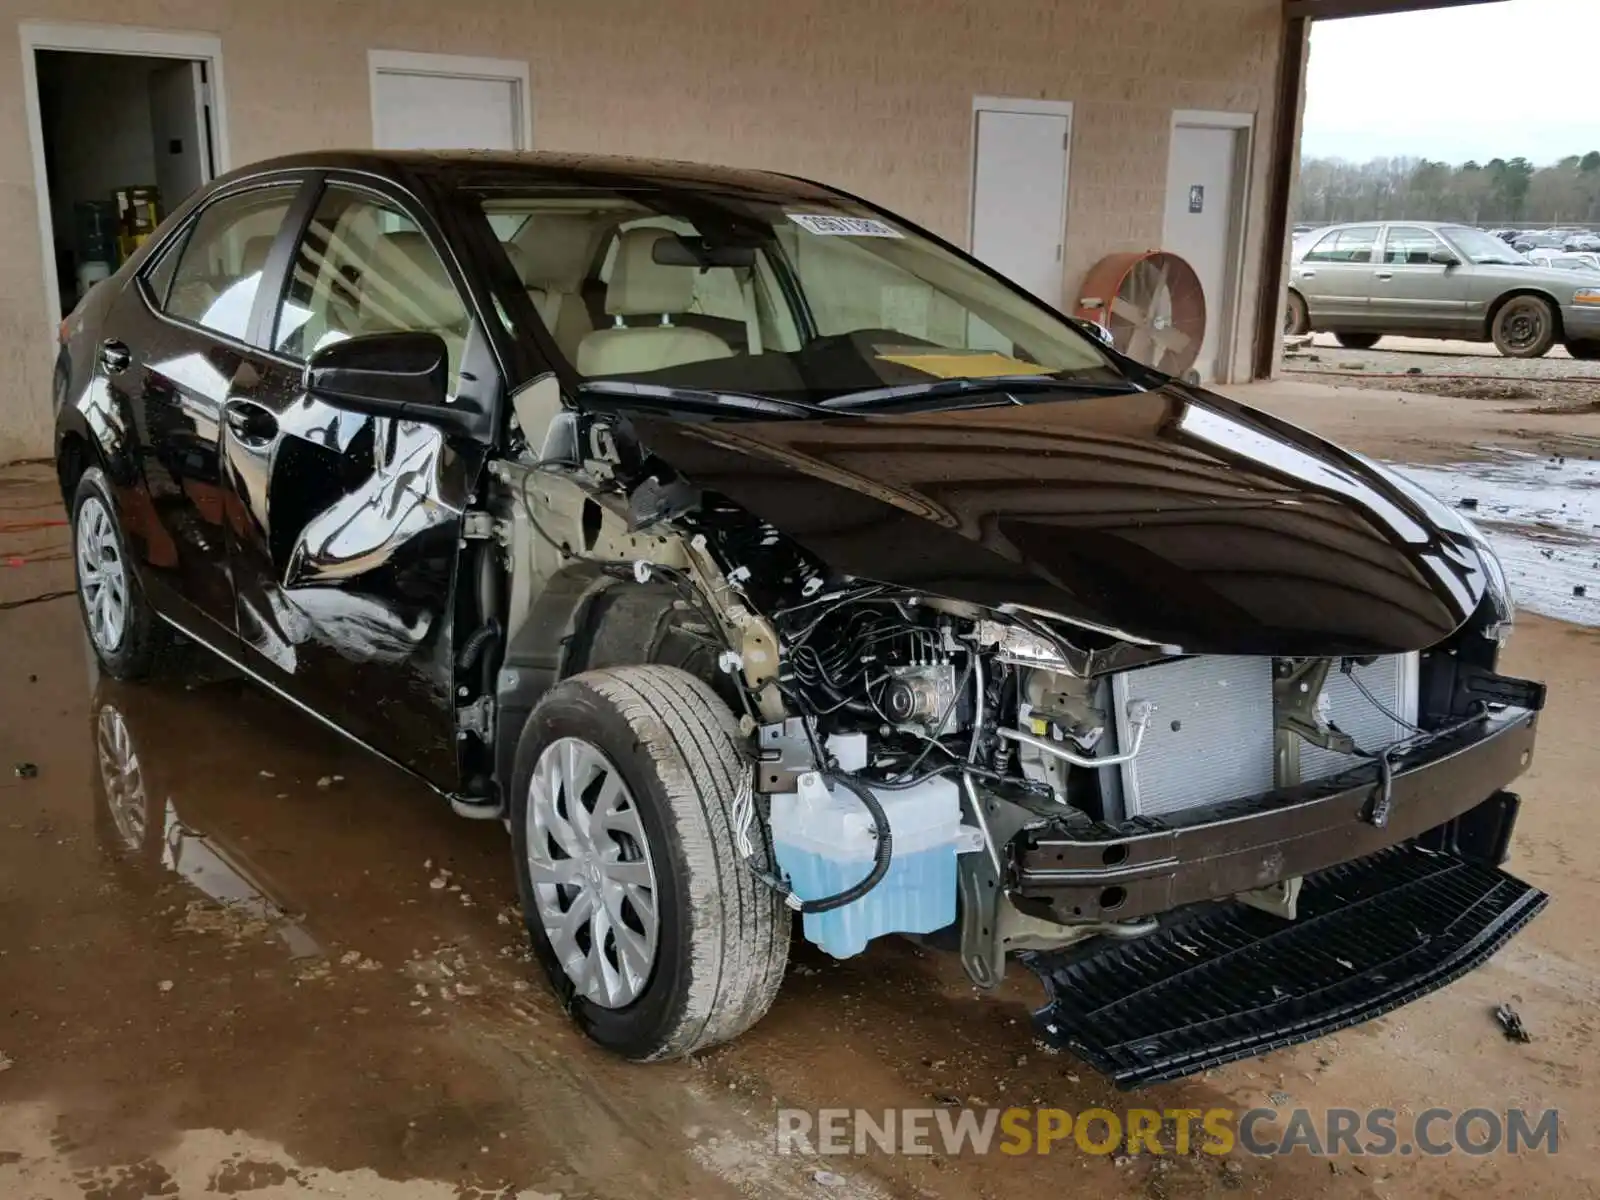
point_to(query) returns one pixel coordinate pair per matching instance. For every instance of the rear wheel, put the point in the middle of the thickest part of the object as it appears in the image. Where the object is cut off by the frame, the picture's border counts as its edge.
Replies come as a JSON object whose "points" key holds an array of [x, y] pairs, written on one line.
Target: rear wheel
{"points": [[128, 638], [1525, 327], [1584, 351], [1358, 341], [1296, 318], [651, 927]]}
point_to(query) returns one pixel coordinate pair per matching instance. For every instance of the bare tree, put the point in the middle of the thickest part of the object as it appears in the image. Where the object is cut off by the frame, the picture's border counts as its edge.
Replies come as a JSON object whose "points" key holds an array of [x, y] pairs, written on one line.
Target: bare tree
{"points": [[1499, 192]]}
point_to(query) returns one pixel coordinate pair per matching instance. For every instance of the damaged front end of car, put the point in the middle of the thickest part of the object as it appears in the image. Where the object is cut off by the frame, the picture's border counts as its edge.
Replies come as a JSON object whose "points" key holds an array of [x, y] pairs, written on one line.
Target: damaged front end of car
{"points": [[1220, 796]]}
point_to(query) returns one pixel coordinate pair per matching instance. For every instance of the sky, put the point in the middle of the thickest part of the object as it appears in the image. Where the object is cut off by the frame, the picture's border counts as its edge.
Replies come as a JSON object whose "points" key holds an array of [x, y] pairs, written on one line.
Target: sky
{"points": [[1479, 82]]}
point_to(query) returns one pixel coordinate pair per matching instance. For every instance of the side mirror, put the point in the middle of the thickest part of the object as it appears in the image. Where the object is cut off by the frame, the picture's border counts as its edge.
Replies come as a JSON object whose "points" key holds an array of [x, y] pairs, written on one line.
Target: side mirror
{"points": [[403, 375], [1445, 258], [1095, 330]]}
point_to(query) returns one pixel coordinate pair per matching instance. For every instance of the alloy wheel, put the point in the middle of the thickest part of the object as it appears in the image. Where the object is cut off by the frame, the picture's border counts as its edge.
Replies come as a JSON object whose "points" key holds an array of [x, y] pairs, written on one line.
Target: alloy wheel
{"points": [[102, 576], [594, 882], [123, 778]]}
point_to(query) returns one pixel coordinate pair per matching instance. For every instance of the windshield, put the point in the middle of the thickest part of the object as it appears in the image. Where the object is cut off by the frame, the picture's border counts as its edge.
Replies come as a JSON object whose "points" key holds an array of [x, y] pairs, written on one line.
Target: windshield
{"points": [[801, 299], [1481, 247]]}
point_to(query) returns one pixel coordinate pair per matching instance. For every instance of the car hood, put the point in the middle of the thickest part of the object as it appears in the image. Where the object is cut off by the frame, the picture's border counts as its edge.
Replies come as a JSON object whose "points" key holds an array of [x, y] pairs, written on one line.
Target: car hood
{"points": [[1562, 283], [1172, 516]]}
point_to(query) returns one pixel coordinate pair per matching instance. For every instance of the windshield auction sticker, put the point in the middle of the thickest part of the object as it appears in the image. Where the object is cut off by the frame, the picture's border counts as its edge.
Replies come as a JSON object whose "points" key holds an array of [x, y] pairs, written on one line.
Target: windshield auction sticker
{"points": [[836, 226]]}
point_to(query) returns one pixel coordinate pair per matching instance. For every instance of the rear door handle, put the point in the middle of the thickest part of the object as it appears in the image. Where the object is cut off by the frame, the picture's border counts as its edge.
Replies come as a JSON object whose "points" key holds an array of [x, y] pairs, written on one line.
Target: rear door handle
{"points": [[250, 422], [114, 356], [1385, 274]]}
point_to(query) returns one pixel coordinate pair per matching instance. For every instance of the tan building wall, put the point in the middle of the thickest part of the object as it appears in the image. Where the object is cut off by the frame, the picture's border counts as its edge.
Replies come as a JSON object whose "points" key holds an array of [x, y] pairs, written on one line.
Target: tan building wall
{"points": [[872, 95]]}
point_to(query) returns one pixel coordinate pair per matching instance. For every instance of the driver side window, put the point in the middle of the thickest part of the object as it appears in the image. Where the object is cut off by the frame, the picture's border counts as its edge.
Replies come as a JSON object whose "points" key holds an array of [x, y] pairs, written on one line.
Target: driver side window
{"points": [[1410, 247], [363, 266]]}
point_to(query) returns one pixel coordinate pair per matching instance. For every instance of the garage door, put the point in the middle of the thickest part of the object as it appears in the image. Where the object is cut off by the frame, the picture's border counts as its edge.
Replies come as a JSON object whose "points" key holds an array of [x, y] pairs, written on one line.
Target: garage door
{"points": [[441, 109]]}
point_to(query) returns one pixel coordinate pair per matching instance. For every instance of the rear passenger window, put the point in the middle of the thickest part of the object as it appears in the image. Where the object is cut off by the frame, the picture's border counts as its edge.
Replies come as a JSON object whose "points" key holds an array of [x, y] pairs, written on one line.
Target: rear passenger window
{"points": [[219, 268], [364, 266], [1345, 246]]}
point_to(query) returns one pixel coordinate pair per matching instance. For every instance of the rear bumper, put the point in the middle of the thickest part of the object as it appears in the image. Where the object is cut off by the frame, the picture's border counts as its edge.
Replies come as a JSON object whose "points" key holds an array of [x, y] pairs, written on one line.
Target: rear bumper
{"points": [[1151, 866]]}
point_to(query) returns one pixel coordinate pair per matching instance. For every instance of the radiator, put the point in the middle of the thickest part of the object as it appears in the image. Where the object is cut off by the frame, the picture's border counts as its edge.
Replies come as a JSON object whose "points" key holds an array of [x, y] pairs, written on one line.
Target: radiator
{"points": [[1211, 739], [1393, 683]]}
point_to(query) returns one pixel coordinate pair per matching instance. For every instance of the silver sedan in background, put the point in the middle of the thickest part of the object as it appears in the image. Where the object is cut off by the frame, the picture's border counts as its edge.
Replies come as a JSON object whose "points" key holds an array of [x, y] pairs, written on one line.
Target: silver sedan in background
{"points": [[1426, 279]]}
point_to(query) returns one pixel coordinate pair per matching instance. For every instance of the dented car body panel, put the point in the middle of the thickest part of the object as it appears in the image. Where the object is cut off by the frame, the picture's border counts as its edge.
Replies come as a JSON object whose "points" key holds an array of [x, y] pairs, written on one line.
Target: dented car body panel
{"points": [[1177, 516], [1156, 651]]}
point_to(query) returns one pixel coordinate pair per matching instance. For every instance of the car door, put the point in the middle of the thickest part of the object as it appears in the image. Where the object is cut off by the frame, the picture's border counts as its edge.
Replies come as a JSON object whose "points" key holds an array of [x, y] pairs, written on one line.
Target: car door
{"points": [[1410, 290], [346, 557], [176, 350], [1335, 277]]}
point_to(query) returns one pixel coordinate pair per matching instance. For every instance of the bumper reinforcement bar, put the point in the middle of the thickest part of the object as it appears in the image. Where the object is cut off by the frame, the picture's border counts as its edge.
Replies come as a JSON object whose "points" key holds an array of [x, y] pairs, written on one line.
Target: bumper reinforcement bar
{"points": [[1229, 981]]}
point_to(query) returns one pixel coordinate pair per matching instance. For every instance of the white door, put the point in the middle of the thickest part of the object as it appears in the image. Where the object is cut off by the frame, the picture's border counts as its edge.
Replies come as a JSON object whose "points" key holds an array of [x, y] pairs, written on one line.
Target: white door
{"points": [[180, 126], [1202, 224], [424, 111], [1019, 196]]}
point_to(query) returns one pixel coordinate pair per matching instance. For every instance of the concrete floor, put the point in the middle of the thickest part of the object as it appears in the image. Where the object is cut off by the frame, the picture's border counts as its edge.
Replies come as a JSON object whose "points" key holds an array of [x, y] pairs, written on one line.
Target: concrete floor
{"points": [[224, 967]]}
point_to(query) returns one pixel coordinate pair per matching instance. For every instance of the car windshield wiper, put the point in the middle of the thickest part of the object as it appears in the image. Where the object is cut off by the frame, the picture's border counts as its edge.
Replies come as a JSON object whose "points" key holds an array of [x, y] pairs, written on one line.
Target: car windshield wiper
{"points": [[704, 399], [966, 384]]}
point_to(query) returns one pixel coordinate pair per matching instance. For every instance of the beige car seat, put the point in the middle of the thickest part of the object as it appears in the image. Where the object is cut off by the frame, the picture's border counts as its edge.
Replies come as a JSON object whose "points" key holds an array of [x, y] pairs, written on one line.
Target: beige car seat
{"points": [[642, 287], [404, 286], [253, 255], [552, 257]]}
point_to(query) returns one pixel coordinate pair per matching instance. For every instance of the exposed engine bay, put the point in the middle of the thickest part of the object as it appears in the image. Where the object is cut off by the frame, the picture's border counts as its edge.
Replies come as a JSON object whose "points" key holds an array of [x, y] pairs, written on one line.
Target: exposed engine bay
{"points": [[895, 733]]}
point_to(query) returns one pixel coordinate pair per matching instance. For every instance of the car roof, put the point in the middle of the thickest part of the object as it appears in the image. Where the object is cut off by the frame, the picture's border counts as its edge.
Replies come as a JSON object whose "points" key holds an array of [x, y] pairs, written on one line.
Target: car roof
{"points": [[1398, 221], [493, 170]]}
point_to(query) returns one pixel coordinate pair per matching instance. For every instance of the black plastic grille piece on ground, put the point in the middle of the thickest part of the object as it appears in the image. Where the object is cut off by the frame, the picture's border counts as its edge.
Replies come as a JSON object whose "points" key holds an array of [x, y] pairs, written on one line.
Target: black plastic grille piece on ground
{"points": [[1232, 981]]}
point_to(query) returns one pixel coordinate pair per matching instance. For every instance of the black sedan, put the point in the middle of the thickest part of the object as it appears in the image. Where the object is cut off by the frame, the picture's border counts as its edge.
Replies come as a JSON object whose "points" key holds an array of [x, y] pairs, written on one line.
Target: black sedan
{"points": [[751, 552]]}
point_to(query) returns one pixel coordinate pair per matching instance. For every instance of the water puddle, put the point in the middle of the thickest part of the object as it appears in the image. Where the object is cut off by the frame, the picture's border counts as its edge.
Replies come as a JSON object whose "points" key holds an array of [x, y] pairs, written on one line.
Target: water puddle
{"points": [[1542, 515]]}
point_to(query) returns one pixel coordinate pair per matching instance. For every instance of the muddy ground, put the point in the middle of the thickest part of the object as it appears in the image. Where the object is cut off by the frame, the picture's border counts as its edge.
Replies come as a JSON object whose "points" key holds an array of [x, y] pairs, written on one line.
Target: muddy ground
{"points": [[238, 957], [1459, 370]]}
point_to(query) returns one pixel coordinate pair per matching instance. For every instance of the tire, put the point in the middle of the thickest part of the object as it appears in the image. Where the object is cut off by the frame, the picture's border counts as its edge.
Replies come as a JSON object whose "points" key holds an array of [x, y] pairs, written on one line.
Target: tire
{"points": [[1525, 327], [1358, 341], [1584, 351], [137, 642], [722, 936], [1296, 317]]}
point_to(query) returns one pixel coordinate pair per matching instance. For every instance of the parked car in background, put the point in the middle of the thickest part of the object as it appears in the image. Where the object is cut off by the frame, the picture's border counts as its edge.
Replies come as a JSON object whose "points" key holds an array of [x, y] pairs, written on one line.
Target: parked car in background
{"points": [[1427, 279], [1565, 261], [1538, 241], [1582, 242], [635, 506]]}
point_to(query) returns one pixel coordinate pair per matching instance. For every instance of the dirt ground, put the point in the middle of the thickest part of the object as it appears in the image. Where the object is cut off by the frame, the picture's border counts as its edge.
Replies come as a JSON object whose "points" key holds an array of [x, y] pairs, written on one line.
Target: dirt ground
{"points": [[239, 957], [1459, 370]]}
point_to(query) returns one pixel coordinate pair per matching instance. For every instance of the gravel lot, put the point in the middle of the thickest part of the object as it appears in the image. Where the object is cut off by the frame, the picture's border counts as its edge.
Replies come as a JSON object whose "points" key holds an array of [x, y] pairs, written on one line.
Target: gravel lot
{"points": [[1467, 370]]}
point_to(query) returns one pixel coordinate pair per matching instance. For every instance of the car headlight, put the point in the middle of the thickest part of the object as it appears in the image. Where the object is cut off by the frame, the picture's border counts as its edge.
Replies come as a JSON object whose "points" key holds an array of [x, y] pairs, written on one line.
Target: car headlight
{"points": [[1022, 647], [1587, 296], [1502, 610]]}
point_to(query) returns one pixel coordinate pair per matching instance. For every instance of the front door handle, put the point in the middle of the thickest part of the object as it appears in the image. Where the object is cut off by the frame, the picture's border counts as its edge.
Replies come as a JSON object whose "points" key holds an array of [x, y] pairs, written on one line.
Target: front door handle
{"points": [[114, 356], [251, 423], [1385, 274]]}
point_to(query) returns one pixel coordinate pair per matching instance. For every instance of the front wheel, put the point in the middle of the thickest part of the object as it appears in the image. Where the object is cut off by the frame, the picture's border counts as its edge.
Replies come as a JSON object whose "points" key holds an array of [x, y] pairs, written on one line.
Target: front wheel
{"points": [[1584, 350], [1525, 327], [645, 916]]}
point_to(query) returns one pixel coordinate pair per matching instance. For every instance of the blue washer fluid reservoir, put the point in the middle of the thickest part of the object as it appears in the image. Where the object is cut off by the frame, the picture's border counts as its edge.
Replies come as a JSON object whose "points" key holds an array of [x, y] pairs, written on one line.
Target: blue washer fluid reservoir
{"points": [[825, 840]]}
